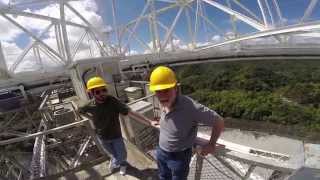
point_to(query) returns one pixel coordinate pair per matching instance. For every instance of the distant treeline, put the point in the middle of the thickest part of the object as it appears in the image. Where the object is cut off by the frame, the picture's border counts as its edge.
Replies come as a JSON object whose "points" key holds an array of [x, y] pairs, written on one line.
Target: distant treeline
{"points": [[282, 92]]}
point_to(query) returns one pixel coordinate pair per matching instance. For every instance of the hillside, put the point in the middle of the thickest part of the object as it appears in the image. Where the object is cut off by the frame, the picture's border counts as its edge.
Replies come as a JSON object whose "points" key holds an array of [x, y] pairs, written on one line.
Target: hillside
{"points": [[284, 93]]}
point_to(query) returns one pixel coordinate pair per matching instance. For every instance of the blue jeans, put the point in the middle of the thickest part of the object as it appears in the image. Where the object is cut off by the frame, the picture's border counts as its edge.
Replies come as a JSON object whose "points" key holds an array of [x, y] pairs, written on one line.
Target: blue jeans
{"points": [[173, 165], [117, 149]]}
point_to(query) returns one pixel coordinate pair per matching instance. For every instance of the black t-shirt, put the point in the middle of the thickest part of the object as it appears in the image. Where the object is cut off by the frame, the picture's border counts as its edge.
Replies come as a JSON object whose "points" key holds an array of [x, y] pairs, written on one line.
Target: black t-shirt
{"points": [[106, 116]]}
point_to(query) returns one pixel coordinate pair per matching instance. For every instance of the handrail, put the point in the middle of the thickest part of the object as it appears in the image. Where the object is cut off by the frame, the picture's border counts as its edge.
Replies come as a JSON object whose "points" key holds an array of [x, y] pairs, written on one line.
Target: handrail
{"points": [[137, 100], [43, 102]]}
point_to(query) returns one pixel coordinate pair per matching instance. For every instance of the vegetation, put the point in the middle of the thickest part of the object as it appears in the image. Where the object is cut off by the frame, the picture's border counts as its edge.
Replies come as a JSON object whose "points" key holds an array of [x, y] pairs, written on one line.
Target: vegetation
{"points": [[281, 92]]}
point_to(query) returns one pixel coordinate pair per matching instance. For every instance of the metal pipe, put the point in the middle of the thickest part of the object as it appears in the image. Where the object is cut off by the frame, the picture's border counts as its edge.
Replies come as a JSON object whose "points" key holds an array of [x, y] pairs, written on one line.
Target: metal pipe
{"points": [[240, 16], [64, 33], [32, 35], [50, 131], [263, 12], [163, 46], [283, 30]]}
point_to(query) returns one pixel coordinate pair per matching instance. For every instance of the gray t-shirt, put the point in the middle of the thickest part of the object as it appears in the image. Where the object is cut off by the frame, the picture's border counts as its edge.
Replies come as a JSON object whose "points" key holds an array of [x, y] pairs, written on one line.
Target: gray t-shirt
{"points": [[179, 127]]}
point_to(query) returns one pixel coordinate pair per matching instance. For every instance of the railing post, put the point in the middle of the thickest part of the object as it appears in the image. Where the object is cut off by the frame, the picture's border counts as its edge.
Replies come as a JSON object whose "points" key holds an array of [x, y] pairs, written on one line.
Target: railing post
{"points": [[199, 164], [90, 128], [250, 170]]}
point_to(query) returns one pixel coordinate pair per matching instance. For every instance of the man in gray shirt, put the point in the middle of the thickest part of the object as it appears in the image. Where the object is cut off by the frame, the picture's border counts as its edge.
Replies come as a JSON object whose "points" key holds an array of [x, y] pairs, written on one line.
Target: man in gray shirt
{"points": [[180, 116]]}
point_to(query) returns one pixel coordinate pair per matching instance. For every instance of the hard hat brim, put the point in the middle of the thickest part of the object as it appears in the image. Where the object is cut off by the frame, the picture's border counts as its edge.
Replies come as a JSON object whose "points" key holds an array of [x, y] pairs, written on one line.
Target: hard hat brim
{"points": [[97, 86], [154, 88]]}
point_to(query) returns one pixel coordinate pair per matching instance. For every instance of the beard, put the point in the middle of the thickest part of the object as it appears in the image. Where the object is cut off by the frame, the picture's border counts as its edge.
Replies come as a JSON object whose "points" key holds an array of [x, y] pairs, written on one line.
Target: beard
{"points": [[100, 99]]}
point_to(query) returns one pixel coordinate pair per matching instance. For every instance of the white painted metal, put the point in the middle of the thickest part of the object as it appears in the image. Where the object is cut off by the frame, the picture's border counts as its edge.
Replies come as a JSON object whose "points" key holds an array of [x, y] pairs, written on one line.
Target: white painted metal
{"points": [[163, 46], [115, 26], [232, 20], [215, 27], [278, 10], [38, 16], [121, 36], [33, 36], [154, 35], [196, 20], [240, 16], [246, 9], [136, 25], [64, 34], [140, 41], [284, 30], [263, 13], [191, 33], [78, 43], [93, 30], [269, 11], [309, 10], [26, 50], [167, 29], [4, 73]]}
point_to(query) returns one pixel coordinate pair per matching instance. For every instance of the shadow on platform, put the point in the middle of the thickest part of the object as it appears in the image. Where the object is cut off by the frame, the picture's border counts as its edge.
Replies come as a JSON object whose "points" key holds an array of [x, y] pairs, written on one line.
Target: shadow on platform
{"points": [[133, 173]]}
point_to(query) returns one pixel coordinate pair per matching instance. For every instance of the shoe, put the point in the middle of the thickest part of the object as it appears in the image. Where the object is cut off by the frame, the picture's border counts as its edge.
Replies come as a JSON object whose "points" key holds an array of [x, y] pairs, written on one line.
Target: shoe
{"points": [[123, 170], [112, 167]]}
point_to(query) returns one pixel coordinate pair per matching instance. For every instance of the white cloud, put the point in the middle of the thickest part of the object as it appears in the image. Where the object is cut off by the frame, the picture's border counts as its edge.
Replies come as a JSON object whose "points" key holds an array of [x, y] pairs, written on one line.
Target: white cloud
{"points": [[216, 38], [3, 3], [132, 52], [10, 51], [8, 32]]}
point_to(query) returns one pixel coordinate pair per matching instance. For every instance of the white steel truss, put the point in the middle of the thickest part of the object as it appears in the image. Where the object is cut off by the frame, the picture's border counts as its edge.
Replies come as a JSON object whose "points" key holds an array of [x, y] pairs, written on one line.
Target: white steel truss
{"points": [[125, 38]]}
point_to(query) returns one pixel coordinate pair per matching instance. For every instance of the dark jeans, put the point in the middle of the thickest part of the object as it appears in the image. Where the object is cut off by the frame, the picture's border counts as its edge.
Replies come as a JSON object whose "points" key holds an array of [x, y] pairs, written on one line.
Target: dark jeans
{"points": [[173, 165], [117, 149]]}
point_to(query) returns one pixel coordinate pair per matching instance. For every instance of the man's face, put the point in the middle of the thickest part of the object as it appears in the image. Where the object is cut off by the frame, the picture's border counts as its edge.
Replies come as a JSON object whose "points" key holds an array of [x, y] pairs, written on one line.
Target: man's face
{"points": [[99, 93], [167, 96]]}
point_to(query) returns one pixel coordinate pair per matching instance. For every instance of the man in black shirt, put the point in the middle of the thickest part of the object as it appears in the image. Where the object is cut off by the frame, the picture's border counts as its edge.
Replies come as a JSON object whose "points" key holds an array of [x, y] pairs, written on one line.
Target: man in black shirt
{"points": [[105, 110]]}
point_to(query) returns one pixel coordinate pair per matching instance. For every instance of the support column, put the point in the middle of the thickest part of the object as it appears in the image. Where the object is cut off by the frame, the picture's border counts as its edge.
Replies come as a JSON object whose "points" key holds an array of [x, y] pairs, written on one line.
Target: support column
{"points": [[199, 164], [4, 73]]}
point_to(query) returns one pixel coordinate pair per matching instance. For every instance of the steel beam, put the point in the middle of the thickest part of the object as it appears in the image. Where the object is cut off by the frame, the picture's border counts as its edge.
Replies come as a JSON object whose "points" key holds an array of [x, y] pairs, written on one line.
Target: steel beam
{"points": [[278, 10], [64, 33], [309, 10], [163, 46], [283, 30], [255, 24], [26, 50], [136, 25], [33, 36], [4, 72], [115, 26], [246, 9], [94, 30], [38, 16], [265, 21]]}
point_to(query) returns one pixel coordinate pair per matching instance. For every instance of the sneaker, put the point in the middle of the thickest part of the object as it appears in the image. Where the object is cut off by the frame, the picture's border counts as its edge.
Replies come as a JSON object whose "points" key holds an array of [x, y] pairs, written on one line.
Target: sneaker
{"points": [[123, 170], [112, 167]]}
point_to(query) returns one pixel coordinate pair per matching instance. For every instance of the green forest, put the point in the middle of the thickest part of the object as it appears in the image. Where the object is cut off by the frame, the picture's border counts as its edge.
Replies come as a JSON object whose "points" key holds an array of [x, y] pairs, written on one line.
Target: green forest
{"points": [[280, 92]]}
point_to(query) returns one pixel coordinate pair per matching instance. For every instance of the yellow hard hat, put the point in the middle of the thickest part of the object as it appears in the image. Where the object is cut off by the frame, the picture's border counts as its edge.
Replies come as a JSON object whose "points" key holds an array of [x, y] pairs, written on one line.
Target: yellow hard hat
{"points": [[95, 82], [162, 78]]}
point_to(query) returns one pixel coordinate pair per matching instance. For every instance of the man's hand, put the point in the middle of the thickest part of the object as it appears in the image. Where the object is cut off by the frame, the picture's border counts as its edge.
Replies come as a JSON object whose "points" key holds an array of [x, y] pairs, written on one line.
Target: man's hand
{"points": [[155, 124], [207, 149]]}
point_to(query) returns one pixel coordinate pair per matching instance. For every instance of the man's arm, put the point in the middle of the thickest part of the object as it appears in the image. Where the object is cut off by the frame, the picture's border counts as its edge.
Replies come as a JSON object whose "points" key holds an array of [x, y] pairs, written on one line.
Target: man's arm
{"points": [[140, 118], [217, 128]]}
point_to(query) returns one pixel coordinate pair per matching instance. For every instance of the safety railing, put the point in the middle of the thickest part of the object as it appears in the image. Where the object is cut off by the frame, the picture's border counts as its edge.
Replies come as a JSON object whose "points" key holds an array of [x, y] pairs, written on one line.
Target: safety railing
{"points": [[61, 145], [64, 141], [230, 161]]}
